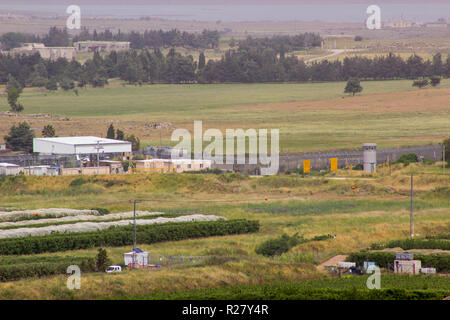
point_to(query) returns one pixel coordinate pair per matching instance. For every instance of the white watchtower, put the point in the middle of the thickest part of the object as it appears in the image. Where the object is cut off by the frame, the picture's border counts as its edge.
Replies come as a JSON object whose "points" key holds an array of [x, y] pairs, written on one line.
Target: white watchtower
{"points": [[370, 157]]}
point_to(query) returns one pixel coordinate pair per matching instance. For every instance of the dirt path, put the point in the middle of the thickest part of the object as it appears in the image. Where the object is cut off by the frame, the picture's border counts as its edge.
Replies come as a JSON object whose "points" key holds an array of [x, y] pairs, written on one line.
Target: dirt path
{"points": [[332, 261], [334, 52]]}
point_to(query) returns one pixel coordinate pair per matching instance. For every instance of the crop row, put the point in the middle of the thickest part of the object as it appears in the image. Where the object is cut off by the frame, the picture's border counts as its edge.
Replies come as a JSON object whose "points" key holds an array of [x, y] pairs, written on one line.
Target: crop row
{"points": [[122, 236]]}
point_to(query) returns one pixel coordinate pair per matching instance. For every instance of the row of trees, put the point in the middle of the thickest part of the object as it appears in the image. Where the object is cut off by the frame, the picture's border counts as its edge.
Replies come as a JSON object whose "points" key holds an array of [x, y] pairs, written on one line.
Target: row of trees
{"points": [[156, 38], [282, 44], [118, 134], [246, 66], [149, 39], [20, 137]]}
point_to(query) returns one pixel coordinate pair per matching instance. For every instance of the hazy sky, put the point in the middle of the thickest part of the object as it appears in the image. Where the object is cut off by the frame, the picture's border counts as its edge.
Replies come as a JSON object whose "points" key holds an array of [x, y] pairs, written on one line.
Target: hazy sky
{"points": [[59, 2], [242, 10]]}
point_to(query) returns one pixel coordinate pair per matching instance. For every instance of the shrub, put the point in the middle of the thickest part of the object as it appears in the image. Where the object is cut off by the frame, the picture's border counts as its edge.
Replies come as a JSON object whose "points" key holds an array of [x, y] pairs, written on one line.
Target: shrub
{"points": [[123, 236], [101, 260], [275, 247], [17, 271], [419, 244], [78, 182], [406, 159], [359, 166]]}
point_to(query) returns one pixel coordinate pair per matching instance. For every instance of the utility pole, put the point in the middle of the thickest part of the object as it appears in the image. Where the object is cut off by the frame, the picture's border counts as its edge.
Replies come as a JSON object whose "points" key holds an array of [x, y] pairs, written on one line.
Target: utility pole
{"points": [[134, 217], [443, 159], [411, 218], [98, 147]]}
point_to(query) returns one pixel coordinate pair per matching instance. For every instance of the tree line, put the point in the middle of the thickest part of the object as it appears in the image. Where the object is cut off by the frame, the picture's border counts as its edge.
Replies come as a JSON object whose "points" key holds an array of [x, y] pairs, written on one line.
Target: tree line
{"points": [[255, 65], [208, 39]]}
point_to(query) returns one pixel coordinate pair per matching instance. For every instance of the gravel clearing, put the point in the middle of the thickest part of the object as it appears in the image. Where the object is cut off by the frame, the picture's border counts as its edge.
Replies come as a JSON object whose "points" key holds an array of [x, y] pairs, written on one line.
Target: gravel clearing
{"points": [[95, 226], [118, 216], [59, 212]]}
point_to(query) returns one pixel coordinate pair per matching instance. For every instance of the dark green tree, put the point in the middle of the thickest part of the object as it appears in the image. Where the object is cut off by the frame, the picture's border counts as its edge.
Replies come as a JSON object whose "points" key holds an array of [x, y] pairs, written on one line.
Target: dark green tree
{"points": [[111, 133], [120, 135], [48, 131], [20, 138], [201, 61], [13, 95], [135, 142], [446, 144], [421, 83], [67, 84], [353, 86], [13, 83], [435, 81], [101, 260], [51, 84]]}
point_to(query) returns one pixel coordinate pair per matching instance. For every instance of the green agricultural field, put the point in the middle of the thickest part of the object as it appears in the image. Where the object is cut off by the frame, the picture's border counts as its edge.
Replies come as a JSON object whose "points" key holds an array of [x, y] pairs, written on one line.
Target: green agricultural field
{"points": [[310, 116], [177, 101]]}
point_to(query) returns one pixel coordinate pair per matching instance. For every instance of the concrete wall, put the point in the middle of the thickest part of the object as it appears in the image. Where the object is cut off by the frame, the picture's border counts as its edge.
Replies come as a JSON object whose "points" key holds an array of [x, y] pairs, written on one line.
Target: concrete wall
{"points": [[86, 171]]}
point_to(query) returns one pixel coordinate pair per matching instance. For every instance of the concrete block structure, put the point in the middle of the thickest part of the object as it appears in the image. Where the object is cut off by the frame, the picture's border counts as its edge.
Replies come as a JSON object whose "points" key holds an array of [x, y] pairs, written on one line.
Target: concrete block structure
{"points": [[407, 266], [9, 169], [172, 165], [52, 53]]}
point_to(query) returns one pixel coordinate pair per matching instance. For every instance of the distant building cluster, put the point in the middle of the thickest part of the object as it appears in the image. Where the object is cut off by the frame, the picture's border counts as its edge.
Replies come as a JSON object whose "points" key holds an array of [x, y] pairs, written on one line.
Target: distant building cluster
{"points": [[402, 23], [54, 53], [101, 46], [92, 156]]}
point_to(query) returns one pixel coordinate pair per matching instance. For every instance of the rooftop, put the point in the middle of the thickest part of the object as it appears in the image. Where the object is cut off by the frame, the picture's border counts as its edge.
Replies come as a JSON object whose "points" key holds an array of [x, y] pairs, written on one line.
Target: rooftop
{"points": [[83, 140]]}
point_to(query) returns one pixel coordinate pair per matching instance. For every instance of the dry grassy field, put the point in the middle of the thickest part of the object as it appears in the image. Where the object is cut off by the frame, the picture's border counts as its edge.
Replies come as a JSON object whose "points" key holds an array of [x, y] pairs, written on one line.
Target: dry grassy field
{"points": [[376, 210]]}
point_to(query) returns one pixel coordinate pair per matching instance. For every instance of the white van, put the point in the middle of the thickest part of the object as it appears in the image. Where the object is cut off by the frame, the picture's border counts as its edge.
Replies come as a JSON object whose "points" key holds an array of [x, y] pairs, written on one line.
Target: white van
{"points": [[112, 269]]}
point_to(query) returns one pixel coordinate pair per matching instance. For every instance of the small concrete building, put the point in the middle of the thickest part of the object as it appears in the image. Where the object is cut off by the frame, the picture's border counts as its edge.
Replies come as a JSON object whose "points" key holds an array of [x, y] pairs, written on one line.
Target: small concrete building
{"points": [[9, 169], [370, 157], [407, 266], [137, 257], [172, 165], [2, 146], [115, 167], [183, 165]]}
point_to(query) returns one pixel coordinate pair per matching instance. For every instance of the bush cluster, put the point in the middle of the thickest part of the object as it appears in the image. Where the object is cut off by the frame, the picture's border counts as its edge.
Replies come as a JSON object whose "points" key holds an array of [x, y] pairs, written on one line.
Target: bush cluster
{"points": [[275, 247], [409, 244], [406, 159], [122, 236], [13, 272]]}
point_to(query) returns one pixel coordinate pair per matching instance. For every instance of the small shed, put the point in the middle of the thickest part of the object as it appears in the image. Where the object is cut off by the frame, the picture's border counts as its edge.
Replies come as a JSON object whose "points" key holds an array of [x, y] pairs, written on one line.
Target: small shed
{"points": [[9, 169], [136, 257], [407, 266]]}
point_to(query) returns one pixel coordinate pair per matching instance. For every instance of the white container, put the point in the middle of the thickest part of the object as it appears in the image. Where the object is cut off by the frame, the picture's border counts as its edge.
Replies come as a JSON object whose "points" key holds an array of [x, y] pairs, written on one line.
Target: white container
{"points": [[344, 264], [139, 258], [428, 270]]}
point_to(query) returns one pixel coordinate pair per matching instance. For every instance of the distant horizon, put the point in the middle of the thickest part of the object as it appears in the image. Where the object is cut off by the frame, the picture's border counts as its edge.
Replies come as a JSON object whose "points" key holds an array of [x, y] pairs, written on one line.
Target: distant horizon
{"points": [[352, 11]]}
